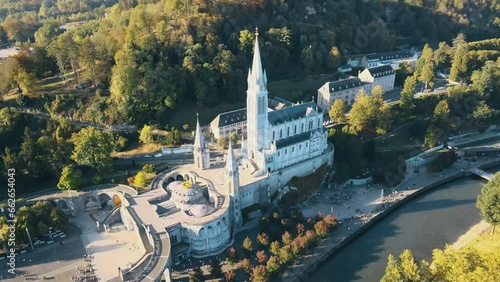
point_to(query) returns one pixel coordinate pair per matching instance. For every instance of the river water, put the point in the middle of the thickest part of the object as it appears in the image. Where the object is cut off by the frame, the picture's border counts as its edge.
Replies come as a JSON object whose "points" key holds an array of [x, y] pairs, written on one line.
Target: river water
{"points": [[429, 221]]}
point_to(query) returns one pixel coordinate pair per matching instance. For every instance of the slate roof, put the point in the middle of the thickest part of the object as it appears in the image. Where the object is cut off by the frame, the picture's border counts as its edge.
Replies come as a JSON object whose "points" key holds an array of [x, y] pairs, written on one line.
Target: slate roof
{"points": [[293, 140], [389, 55], [289, 113], [231, 117], [381, 71], [344, 84]]}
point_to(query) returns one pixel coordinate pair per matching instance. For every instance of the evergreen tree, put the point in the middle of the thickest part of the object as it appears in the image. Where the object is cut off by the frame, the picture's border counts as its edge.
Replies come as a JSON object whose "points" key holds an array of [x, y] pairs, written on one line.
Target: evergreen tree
{"points": [[426, 74], [459, 66], [407, 94]]}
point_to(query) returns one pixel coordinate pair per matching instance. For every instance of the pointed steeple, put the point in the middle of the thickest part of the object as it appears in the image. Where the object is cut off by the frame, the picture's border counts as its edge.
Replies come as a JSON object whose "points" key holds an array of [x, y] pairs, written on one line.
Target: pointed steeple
{"points": [[231, 165], [198, 138], [257, 72]]}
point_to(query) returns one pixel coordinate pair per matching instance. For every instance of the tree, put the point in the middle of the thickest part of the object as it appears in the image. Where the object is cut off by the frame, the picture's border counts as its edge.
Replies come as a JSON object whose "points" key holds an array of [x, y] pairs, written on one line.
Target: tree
{"points": [[488, 201], [333, 59], [308, 58], [286, 254], [174, 137], [321, 229], [337, 111], [215, 269], [231, 255], [233, 138], [30, 156], [92, 148], [196, 275], [426, 72], [459, 65], [222, 142], [274, 248], [329, 221], [286, 238], [230, 276], [482, 114], [246, 265], [261, 257], [433, 136], [146, 135], [441, 111], [273, 265], [247, 245], [442, 56], [259, 274], [407, 94], [71, 178], [185, 127], [26, 82], [487, 80], [300, 229], [262, 239], [140, 179], [406, 268]]}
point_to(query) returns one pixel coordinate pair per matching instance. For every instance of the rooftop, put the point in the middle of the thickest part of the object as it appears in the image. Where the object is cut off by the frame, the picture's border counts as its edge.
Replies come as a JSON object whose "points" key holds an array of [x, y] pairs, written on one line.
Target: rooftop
{"points": [[290, 113], [293, 140], [344, 84], [389, 55], [381, 71]]}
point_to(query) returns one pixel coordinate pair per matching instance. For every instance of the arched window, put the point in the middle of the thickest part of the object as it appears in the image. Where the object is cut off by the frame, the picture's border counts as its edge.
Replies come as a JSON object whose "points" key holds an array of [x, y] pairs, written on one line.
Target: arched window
{"points": [[281, 133], [288, 131]]}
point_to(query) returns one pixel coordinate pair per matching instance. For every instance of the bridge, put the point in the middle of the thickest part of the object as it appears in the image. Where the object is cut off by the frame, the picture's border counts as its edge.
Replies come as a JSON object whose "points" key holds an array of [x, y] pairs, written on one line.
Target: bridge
{"points": [[481, 173]]}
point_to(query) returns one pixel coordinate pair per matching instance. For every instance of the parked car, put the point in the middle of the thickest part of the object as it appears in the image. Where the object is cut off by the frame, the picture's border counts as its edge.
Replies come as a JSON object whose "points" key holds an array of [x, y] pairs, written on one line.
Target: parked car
{"points": [[147, 156], [158, 155]]}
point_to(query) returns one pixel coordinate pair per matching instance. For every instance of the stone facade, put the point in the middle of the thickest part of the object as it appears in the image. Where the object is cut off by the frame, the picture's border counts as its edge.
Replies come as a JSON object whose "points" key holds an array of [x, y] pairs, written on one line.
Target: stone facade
{"points": [[381, 75], [345, 89]]}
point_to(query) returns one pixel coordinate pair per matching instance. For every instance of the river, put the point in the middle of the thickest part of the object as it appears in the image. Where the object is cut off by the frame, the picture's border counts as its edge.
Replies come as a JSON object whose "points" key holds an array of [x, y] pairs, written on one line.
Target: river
{"points": [[429, 221]]}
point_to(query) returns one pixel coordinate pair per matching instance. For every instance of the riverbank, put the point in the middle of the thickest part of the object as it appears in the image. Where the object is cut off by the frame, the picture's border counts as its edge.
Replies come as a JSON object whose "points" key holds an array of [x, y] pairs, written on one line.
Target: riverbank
{"points": [[472, 234], [304, 266]]}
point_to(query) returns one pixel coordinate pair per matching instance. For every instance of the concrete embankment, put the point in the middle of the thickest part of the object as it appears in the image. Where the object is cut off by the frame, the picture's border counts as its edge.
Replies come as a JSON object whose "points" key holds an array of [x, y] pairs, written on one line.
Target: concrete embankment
{"points": [[308, 264]]}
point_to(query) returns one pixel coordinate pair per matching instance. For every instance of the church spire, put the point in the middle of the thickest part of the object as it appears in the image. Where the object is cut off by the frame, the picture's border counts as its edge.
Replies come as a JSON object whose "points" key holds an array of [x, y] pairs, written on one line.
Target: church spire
{"points": [[231, 160], [198, 138], [257, 72]]}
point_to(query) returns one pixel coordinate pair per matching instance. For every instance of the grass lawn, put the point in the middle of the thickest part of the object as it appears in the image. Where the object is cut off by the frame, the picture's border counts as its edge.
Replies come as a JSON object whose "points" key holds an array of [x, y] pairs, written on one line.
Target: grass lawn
{"points": [[140, 148]]}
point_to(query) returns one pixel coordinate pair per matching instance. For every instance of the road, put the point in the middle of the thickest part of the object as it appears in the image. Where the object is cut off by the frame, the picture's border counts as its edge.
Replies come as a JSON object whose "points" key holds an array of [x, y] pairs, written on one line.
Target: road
{"points": [[439, 86]]}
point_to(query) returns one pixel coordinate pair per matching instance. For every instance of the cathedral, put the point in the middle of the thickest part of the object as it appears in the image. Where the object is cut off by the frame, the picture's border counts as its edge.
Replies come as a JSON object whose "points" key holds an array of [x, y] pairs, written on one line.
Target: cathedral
{"points": [[199, 207], [280, 144]]}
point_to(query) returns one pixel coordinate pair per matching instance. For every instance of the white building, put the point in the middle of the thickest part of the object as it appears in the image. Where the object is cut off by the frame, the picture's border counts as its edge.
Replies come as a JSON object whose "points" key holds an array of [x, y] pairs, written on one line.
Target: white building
{"points": [[382, 75], [228, 123], [345, 89], [393, 58]]}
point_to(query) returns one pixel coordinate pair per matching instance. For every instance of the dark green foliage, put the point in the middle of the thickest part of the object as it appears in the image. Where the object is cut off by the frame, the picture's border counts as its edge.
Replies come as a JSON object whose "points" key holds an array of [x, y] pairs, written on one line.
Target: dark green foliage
{"points": [[488, 201]]}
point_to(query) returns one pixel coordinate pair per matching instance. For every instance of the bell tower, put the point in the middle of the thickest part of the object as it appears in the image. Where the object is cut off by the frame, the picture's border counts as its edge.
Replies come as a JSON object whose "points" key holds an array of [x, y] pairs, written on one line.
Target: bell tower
{"points": [[257, 120], [201, 152]]}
